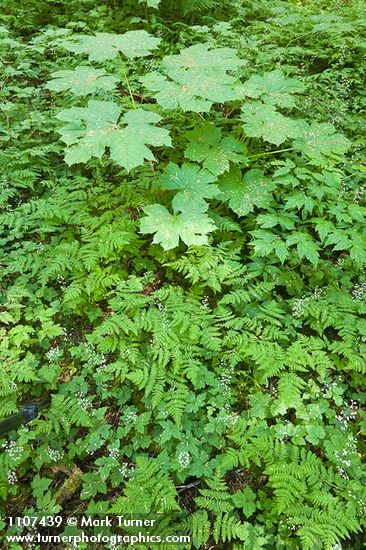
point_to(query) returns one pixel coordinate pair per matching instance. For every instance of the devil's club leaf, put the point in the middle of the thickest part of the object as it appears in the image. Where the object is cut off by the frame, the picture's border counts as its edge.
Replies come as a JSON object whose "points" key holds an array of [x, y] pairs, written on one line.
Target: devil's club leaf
{"points": [[104, 45], [151, 3], [245, 193], [194, 186], [202, 58], [273, 88], [263, 121], [192, 227], [207, 147], [81, 81], [319, 140], [191, 90], [90, 123], [93, 128], [195, 79]]}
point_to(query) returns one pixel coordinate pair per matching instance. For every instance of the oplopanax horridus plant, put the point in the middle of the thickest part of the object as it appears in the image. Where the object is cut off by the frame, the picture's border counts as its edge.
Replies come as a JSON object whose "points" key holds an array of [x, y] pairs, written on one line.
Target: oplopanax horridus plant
{"points": [[183, 271]]}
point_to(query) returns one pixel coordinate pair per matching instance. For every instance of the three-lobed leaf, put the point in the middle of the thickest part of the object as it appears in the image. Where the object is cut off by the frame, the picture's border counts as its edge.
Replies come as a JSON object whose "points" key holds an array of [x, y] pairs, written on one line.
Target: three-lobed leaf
{"points": [[306, 247]]}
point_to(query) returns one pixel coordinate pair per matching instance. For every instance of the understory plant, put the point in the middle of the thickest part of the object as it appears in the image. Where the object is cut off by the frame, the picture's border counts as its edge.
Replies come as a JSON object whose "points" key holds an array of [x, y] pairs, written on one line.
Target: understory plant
{"points": [[183, 253]]}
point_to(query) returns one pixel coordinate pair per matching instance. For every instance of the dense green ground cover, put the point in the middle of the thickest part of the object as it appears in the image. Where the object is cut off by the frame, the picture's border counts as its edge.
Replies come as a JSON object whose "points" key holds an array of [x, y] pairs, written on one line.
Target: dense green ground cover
{"points": [[183, 251]]}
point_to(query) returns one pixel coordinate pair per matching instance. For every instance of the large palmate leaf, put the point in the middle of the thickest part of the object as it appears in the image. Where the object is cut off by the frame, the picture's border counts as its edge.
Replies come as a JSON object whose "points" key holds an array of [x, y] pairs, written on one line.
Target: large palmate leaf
{"points": [[195, 79], [81, 81], [104, 45], [190, 90], [90, 130], [194, 186], [191, 226], [244, 193], [207, 147], [319, 141], [273, 88], [204, 59], [150, 3], [263, 121]]}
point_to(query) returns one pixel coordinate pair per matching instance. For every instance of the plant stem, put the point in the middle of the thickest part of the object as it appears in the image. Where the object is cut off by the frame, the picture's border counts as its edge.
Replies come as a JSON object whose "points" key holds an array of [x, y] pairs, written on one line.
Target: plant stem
{"points": [[271, 152], [126, 79]]}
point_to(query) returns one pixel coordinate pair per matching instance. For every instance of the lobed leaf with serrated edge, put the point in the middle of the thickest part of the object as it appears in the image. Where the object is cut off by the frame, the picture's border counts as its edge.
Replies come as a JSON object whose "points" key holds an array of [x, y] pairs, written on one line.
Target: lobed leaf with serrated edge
{"points": [[81, 81], [104, 45], [192, 227], [92, 129]]}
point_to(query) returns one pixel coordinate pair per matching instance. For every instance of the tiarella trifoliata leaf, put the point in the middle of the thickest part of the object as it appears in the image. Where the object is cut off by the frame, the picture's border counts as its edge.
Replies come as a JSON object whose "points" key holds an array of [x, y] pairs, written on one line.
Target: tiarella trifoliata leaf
{"points": [[244, 193], [358, 249], [265, 243], [193, 184], [104, 45], [191, 226], [206, 146], [246, 501], [195, 79], [90, 130], [271, 220], [263, 121], [81, 81], [274, 88], [306, 247], [331, 25]]}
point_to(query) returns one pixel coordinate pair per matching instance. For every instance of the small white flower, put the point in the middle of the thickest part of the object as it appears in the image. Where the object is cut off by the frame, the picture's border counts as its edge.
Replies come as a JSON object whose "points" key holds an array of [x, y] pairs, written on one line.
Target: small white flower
{"points": [[124, 470], [359, 292], [83, 402], [53, 353], [184, 459], [12, 477], [13, 450], [114, 453], [53, 454], [131, 418]]}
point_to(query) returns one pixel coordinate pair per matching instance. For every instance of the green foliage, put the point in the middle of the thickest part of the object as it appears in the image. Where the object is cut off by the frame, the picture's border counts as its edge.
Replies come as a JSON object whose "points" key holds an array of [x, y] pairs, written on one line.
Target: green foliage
{"points": [[195, 79], [183, 272], [104, 45], [263, 121], [244, 193], [81, 81], [191, 226], [274, 88], [89, 130], [194, 185], [207, 146]]}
